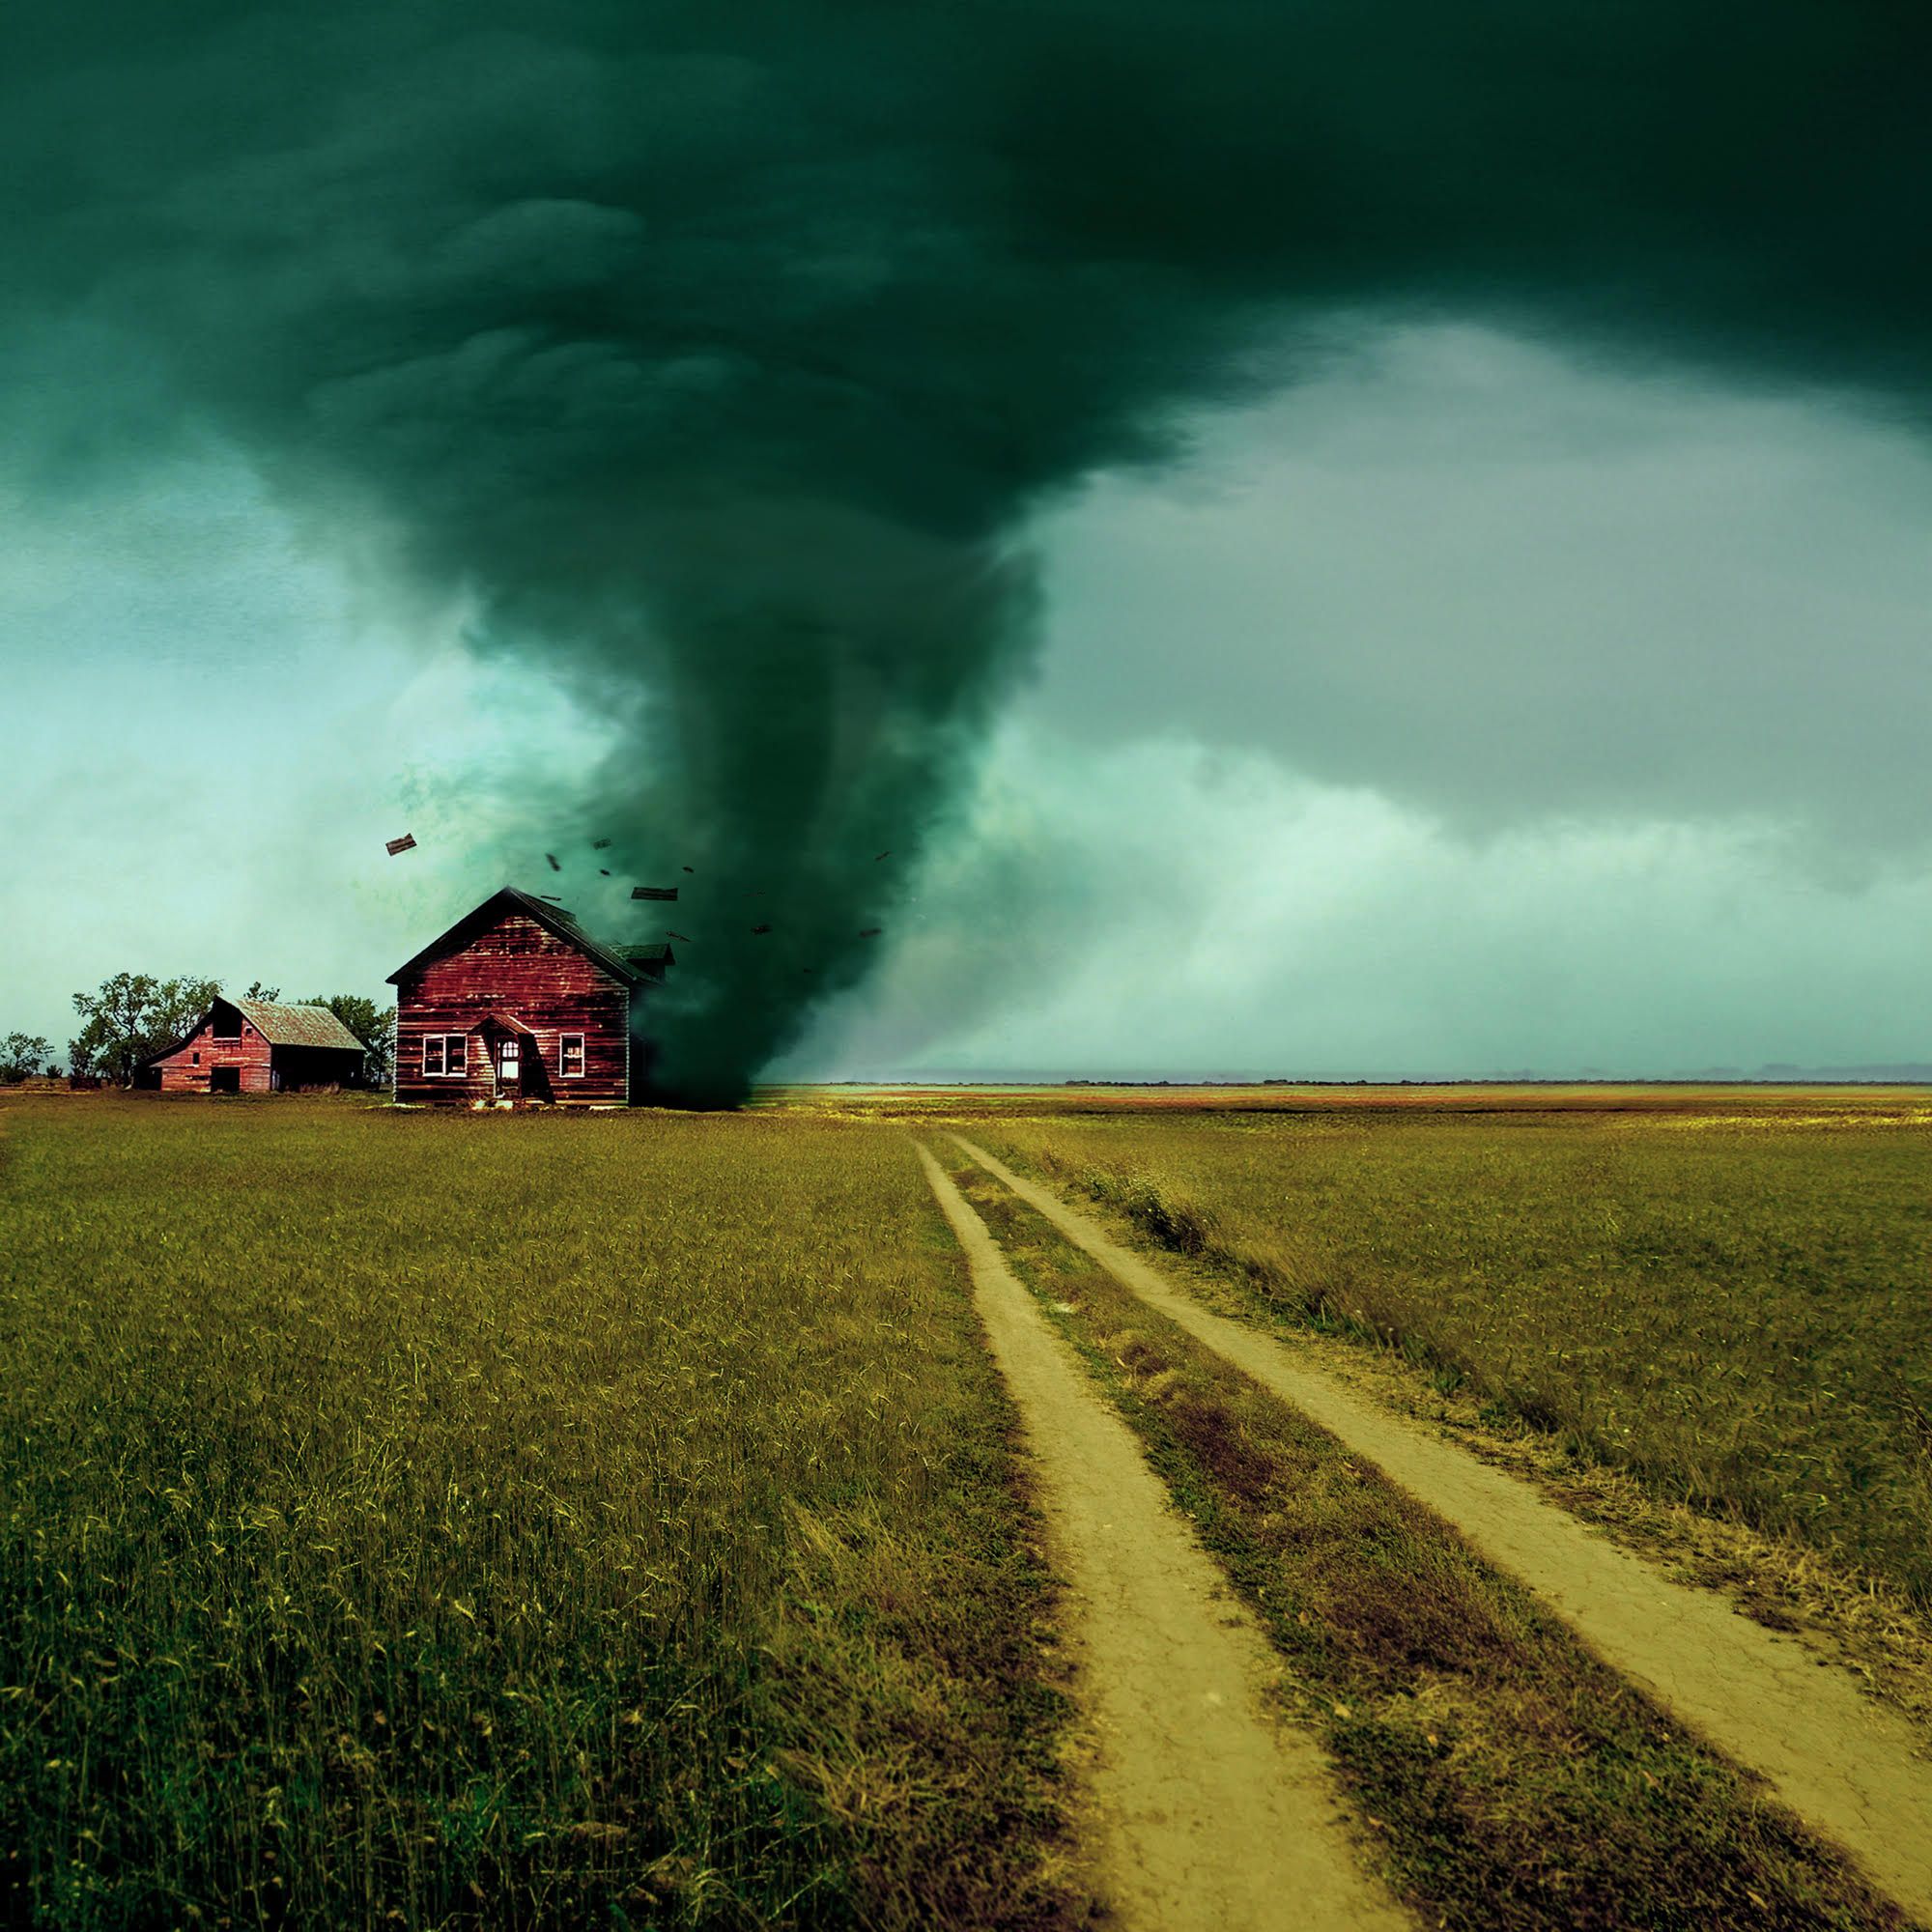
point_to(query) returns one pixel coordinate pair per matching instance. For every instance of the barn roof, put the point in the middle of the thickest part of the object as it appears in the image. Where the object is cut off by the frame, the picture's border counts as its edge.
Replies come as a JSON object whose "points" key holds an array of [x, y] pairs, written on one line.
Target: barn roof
{"points": [[278, 1024], [627, 963], [296, 1026]]}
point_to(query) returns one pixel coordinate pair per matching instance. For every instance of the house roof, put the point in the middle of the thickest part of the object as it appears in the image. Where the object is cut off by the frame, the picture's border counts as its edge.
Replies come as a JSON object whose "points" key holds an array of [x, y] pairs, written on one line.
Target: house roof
{"points": [[296, 1026], [625, 964], [278, 1024]]}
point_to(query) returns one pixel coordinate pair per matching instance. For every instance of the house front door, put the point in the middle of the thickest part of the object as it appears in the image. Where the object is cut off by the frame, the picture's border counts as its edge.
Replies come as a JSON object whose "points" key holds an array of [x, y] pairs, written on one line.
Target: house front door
{"points": [[509, 1065]]}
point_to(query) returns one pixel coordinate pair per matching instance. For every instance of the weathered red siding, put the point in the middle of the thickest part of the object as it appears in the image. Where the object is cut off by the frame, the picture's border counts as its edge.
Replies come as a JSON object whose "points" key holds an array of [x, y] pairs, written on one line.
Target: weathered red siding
{"points": [[186, 1069], [520, 970]]}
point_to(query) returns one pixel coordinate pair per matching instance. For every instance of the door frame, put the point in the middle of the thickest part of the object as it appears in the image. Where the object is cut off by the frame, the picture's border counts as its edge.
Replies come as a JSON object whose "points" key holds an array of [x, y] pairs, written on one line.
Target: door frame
{"points": [[509, 1046]]}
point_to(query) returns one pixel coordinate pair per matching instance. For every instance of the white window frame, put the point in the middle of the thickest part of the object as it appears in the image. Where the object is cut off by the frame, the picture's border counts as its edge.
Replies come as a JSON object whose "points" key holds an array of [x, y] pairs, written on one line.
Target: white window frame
{"points": [[452, 1056], [563, 1066]]}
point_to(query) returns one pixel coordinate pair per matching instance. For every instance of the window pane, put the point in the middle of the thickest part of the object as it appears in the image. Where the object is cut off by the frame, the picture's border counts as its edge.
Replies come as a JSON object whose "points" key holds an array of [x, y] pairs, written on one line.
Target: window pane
{"points": [[459, 1058], [573, 1053], [432, 1053]]}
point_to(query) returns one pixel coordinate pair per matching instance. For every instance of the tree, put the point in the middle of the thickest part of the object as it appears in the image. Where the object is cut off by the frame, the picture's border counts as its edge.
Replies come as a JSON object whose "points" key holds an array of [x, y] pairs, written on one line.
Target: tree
{"points": [[258, 991], [373, 1025], [22, 1055], [132, 1017]]}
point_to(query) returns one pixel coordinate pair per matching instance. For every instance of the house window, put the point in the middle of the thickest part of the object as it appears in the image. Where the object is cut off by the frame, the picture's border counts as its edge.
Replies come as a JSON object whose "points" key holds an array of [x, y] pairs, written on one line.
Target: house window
{"points": [[194, 1060], [570, 1056], [445, 1056]]}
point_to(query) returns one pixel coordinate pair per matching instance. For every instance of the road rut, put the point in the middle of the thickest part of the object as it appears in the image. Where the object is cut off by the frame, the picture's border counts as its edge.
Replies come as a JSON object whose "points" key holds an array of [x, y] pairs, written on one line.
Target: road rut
{"points": [[1213, 1813], [1852, 1770]]}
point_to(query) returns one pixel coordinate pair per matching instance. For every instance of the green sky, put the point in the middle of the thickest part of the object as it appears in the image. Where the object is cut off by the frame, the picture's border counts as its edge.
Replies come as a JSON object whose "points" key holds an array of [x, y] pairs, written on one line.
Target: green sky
{"points": [[1355, 545]]}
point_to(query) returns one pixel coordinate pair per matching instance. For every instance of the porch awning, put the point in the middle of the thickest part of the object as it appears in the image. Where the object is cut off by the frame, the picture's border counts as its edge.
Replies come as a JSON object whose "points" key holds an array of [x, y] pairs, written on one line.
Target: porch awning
{"points": [[503, 1023]]}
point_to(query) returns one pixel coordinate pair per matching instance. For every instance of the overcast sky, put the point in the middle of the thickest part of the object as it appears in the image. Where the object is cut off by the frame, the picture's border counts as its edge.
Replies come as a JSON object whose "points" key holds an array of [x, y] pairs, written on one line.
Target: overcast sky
{"points": [[1336, 538], [1466, 707]]}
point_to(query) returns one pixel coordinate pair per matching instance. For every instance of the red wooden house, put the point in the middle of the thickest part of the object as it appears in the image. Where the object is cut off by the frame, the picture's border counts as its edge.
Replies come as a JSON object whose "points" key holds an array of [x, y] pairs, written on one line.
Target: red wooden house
{"points": [[258, 1046], [517, 1002]]}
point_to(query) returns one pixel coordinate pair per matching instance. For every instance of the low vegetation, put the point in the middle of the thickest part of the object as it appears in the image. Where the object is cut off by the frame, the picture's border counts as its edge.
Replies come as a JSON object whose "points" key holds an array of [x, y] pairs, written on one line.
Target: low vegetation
{"points": [[1729, 1301], [436, 1520], [22, 1055], [1507, 1781]]}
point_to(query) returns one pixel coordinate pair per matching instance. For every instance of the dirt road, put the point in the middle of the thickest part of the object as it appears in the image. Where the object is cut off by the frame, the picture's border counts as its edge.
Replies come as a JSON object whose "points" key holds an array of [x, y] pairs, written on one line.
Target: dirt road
{"points": [[1209, 1812], [1847, 1766]]}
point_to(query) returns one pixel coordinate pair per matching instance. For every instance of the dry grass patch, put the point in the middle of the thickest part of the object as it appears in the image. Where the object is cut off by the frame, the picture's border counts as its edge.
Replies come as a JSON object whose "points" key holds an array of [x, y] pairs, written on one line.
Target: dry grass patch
{"points": [[1731, 1310]]}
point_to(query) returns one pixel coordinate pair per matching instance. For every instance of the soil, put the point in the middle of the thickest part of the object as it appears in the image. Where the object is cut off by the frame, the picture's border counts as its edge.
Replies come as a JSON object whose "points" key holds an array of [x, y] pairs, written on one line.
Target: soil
{"points": [[1206, 1811], [1850, 1769]]}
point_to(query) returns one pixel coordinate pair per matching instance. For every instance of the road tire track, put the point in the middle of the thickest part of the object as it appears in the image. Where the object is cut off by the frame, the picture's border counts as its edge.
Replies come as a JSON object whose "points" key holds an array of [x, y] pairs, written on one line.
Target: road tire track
{"points": [[1852, 1770], [1211, 1813]]}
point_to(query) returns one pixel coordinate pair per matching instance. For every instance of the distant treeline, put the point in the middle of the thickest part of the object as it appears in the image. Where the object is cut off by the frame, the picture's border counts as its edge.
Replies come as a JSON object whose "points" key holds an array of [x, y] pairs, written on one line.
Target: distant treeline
{"points": [[131, 1017]]}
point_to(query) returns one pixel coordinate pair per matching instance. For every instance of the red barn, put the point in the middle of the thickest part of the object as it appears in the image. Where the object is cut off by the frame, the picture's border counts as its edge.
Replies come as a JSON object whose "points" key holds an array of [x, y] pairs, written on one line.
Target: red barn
{"points": [[517, 1002], [258, 1046]]}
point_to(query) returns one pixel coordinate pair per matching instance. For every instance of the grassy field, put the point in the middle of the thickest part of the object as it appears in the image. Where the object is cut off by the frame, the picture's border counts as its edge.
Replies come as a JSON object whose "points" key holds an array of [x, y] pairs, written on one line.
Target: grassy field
{"points": [[1685, 1100], [427, 1521], [615, 1520], [1729, 1294]]}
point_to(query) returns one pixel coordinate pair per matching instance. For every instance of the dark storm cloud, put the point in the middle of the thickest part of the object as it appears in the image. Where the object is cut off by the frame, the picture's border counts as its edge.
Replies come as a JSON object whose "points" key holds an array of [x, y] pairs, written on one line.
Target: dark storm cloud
{"points": [[1506, 584], [717, 350]]}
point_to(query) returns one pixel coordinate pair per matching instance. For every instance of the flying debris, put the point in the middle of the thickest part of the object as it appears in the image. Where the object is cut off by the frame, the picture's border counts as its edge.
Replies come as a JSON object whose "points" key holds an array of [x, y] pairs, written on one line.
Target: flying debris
{"points": [[871, 931], [554, 866], [761, 928], [886, 854], [677, 936], [603, 872], [598, 844], [406, 843], [654, 891], [691, 869], [550, 896]]}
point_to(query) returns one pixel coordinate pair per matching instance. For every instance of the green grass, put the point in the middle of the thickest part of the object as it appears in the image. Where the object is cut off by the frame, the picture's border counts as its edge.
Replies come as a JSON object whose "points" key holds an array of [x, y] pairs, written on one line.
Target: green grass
{"points": [[425, 1520], [1688, 1100], [1732, 1305], [1509, 1782]]}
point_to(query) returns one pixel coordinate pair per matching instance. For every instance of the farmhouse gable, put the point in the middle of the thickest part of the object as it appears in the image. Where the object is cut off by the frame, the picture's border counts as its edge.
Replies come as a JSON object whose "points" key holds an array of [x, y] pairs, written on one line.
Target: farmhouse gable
{"points": [[517, 1003]]}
